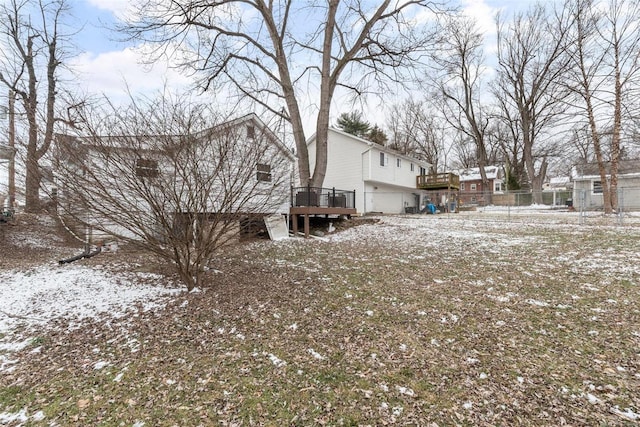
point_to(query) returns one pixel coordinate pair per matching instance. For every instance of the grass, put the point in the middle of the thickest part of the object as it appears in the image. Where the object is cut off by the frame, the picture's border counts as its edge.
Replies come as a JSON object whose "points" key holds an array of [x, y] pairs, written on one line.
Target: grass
{"points": [[447, 323]]}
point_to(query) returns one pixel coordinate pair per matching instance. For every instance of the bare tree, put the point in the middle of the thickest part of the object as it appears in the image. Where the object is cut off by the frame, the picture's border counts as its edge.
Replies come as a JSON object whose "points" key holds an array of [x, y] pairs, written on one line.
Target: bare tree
{"points": [[34, 52], [414, 131], [606, 75], [460, 59], [261, 50], [532, 63], [171, 178]]}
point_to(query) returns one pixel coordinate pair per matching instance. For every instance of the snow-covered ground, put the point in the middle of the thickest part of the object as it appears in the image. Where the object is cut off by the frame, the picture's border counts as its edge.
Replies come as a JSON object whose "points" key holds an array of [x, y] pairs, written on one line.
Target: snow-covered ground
{"points": [[34, 297]]}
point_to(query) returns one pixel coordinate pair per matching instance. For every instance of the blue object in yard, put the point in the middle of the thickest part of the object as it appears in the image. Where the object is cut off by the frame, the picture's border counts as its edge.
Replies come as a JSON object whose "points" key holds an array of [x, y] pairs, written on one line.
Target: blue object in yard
{"points": [[431, 208], [452, 206]]}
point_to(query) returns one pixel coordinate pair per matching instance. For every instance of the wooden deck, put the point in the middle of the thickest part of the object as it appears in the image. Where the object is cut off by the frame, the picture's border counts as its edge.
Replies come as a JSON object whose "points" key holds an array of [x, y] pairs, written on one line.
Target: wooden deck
{"points": [[438, 181], [307, 211]]}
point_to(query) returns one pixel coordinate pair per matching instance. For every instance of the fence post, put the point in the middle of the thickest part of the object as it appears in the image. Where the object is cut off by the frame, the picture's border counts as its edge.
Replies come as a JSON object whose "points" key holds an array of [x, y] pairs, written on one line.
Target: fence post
{"points": [[581, 217], [620, 206]]}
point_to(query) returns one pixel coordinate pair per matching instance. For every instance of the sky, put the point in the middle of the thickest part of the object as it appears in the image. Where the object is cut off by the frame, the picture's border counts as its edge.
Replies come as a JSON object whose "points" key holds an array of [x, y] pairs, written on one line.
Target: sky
{"points": [[104, 65], [108, 66]]}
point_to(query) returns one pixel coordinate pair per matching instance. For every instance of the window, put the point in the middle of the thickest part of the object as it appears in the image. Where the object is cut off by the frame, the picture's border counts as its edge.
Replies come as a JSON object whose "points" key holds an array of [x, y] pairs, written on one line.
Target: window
{"points": [[596, 187], [146, 168], [474, 187], [497, 187], [398, 162], [251, 132], [462, 186], [412, 167], [384, 159], [423, 171], [264, 172]]}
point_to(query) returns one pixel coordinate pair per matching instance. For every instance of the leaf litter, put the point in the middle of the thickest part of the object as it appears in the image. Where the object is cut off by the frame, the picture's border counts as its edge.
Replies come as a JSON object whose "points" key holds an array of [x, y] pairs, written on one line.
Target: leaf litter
{"points": [[412, 320]]}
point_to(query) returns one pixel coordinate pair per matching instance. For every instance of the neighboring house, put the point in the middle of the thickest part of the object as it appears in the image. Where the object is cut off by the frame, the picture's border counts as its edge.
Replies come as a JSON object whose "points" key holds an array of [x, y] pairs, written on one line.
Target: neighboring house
{"points": [[6, 154], [236, 168], [384, 180], [558, 183], [473, 191], [587, 185]]}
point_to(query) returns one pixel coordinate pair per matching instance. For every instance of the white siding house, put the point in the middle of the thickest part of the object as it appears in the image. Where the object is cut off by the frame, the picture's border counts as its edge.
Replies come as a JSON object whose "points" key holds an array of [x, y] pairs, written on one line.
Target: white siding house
{"points": [[384, 180], [587, 186], [6, 153], [233, 170]]}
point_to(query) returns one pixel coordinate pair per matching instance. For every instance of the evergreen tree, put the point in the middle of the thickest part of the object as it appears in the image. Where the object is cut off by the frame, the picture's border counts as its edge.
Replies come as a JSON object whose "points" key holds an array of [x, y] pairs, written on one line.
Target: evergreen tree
{"points": [[354, 124], [377, 135]]}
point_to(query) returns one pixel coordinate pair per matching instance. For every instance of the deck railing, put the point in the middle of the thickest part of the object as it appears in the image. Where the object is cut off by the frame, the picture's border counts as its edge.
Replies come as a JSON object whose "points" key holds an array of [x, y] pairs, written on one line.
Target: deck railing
{"points": [[438, 180], [323, 197]]}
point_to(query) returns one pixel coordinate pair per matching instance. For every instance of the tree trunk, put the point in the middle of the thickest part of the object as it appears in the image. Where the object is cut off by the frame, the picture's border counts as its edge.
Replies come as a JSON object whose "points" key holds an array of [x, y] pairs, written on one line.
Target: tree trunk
{"points": [[617, 130], [327, 87]]}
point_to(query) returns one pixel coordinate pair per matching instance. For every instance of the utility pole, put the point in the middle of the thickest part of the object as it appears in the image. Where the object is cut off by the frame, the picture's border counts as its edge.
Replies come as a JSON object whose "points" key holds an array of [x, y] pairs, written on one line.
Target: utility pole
{"points": [[12, 145]]}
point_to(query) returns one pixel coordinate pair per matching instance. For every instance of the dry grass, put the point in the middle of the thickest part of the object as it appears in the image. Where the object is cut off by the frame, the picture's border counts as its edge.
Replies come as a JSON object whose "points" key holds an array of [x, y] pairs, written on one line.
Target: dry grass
{"points": [[411, 321]]}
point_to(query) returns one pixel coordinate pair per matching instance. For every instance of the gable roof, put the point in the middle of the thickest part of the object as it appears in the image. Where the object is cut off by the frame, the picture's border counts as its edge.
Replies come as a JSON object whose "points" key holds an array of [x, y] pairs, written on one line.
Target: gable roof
{"points": [[473, 174], [259, 124], [251, 118], [592, 170]]}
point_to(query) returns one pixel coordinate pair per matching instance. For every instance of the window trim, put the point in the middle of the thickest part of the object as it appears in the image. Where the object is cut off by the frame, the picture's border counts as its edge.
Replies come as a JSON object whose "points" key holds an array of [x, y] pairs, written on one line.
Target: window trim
{"points": [[146, 168], [384, 159], [473, 187], [263, 172], [251, 132], [594, 186]]}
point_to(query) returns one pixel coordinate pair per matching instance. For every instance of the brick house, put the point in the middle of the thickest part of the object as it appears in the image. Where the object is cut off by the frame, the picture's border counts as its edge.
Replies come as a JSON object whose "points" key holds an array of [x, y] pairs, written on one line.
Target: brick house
{"points": [[474, 192]]}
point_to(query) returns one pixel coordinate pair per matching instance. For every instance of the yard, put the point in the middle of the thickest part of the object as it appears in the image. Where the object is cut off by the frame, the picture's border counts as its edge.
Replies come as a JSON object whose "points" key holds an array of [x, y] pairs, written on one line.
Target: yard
{"points": [[414, 320]]}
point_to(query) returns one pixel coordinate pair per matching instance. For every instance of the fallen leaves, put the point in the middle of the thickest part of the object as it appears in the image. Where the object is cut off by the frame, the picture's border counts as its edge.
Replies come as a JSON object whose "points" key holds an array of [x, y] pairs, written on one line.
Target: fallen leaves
{"points": [[406, 322]]}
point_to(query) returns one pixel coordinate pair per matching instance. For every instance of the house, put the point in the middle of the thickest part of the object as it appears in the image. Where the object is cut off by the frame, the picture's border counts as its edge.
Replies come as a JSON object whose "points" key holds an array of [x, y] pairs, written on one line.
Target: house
{"points": [[6, 156], [587, 185], [384, 180], [474, 192], [558, 183], [131, 185]]}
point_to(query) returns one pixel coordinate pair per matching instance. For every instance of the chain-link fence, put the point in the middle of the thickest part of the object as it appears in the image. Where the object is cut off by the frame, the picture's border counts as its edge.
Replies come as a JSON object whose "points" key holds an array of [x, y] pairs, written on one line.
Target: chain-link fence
{"points": [[578, 206]]}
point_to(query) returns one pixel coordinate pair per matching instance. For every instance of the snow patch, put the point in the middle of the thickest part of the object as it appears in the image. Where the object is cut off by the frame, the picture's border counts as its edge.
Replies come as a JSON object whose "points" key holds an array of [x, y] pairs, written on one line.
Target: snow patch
{"points": [[315, 354], [279, 363]]}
